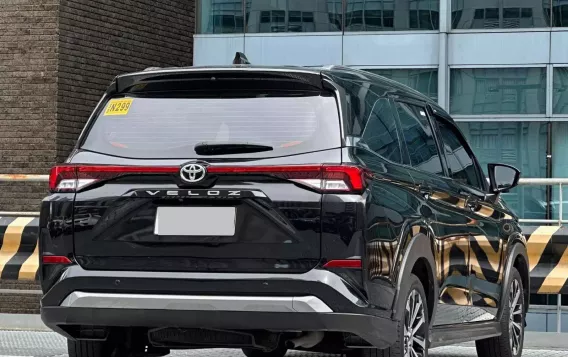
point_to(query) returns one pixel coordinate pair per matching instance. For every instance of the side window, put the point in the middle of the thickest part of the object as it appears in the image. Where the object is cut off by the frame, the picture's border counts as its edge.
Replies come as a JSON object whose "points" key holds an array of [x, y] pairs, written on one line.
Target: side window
{"points": [[380, 133], [419, 138], [460, 163]]}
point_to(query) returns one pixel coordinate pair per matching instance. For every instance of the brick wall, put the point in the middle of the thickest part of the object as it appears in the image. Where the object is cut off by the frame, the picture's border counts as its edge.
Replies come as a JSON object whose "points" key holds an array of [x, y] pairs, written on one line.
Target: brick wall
{"points": [[28, 86], [19, 297], [100, 39], [56, 59]]}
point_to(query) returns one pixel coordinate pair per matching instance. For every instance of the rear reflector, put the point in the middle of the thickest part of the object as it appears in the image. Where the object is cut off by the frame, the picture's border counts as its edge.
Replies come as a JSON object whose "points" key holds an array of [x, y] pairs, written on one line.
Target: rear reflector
{"points": [[325, 178], [55, 259], [345, 263]]}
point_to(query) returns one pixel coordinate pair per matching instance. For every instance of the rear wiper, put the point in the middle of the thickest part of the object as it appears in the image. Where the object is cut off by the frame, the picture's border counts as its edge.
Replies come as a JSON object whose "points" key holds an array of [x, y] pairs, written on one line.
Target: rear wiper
{"points": [[220, 148]]}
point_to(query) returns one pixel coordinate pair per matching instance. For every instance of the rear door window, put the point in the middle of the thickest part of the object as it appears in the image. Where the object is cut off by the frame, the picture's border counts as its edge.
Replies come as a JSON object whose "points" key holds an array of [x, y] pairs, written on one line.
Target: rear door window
{"points": [[170, 127], [419, 138], [380, 134]]}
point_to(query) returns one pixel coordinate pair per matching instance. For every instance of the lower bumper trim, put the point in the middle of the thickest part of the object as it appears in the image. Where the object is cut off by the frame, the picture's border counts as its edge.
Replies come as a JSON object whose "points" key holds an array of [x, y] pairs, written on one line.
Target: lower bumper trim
{"points": [[302, 304]]}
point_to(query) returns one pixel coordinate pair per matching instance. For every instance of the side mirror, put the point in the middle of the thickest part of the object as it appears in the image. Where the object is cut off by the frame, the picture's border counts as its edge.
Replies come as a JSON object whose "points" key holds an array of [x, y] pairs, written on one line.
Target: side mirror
{"points": [[502, 178]]}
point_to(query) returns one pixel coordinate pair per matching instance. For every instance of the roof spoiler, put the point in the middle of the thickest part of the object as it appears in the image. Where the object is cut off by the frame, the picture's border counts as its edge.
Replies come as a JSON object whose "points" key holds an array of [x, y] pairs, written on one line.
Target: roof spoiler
{"points": [[240, 58]]}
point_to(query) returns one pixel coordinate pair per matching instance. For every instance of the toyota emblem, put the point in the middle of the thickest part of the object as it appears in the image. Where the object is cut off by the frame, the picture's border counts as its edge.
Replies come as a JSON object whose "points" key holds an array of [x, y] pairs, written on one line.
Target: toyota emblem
{"points": [[193, 173]]}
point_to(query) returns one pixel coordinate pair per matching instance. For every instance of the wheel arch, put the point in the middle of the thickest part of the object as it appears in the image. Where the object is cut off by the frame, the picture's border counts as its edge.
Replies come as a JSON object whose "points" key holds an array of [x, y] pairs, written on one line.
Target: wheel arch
{"points": [[418, 257], [517, 258]]}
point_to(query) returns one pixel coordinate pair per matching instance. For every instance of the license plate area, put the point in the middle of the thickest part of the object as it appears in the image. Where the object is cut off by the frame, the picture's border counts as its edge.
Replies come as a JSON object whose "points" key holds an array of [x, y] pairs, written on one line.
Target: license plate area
{"points": [[195, 221]]}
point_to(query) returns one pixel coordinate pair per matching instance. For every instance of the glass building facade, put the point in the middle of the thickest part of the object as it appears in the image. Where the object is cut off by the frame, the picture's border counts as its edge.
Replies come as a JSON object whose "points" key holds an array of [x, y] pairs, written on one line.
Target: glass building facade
{"points": [[500, 67]]}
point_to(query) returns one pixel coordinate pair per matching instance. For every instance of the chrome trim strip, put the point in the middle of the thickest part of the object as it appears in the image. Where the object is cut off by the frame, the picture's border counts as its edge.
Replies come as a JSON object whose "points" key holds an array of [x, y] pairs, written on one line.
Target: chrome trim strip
{"points": [[314, 275], [195, 302]]}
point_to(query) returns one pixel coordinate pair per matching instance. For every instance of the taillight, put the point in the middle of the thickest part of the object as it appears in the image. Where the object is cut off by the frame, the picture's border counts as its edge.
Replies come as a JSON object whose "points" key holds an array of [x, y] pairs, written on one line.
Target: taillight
{"points": [[325, 178], [70, 178]]}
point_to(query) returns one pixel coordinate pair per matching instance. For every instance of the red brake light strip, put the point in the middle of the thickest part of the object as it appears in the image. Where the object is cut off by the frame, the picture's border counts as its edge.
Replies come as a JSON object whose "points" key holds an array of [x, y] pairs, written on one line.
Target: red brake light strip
{"points": [[332, 177]]}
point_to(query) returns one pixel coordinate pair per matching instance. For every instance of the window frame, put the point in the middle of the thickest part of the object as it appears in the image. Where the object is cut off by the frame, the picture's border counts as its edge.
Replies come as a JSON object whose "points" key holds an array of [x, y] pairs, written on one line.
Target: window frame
{"points": [[434, 118]]}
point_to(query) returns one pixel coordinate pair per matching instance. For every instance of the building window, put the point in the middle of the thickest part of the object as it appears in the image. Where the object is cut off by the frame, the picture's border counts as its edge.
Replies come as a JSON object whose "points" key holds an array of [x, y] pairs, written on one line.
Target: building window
{"points": [[265, 16], [559, 167], [521, 144], [500, 14], [485, 91], [423, 80], [560, 13], [560, 90], [220, 16], [392, 15]]}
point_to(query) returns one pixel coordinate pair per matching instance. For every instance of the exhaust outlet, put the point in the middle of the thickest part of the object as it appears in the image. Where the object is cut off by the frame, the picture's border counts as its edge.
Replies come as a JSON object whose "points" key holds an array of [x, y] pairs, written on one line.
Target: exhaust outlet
{"points": [[308, 340]]}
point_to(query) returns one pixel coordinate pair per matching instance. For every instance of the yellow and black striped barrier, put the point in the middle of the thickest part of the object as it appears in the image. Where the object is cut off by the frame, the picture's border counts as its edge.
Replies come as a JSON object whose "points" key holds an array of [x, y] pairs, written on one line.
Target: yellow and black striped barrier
{"points": [[19, 251], [548, 258], [547, 251]]}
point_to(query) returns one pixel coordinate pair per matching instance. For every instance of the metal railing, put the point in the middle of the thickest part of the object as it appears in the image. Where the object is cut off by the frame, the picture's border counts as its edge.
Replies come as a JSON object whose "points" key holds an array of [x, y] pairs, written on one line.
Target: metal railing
{"points": [[560, 182], [23, 177]]}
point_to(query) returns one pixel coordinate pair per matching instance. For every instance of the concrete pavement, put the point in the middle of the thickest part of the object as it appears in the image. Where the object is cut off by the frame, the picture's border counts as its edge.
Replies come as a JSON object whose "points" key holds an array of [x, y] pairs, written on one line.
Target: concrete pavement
{"points": [[49, 344]]}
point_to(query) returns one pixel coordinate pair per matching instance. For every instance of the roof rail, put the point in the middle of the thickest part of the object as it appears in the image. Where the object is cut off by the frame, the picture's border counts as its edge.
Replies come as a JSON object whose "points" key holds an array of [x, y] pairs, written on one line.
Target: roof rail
{"points": [[151, 69], [240, 58]]}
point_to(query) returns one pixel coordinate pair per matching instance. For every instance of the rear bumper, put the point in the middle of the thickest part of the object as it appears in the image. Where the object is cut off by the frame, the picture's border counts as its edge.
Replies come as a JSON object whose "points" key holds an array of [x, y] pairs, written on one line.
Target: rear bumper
{"points": [[315, 301], [380, 332]]}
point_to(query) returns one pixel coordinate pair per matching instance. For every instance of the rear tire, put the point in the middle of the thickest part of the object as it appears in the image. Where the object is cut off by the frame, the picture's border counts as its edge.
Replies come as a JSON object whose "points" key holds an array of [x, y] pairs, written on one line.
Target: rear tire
{"points": [[413, 312], [89, 349], [510, 343], [278, 352]]}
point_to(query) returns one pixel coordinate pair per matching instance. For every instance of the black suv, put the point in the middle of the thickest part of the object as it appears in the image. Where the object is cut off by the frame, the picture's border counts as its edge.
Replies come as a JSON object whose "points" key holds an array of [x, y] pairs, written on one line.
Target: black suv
{"points": [[275, 208]]}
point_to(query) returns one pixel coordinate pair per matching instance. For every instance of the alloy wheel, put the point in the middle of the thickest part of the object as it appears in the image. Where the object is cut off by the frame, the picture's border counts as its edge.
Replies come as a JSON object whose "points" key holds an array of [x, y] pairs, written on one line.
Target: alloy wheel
{"points": [[515, 317], [415, 326]]}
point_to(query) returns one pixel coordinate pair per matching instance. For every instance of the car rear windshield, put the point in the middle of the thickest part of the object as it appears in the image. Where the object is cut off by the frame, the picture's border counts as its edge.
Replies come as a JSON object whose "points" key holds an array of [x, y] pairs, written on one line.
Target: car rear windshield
{"points": [[170, 127]]}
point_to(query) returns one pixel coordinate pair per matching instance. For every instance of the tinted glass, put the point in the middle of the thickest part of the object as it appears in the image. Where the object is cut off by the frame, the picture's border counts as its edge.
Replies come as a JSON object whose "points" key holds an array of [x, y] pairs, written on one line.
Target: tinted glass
{"points": [[498, 91], [380, 133], [560, 89], [560, 13], [460, 163], [171, 127], [220, 16], [500, 14], [419, 138], [392, 15], [522, 145], [423, 80], [265, 16], [361, 97]]}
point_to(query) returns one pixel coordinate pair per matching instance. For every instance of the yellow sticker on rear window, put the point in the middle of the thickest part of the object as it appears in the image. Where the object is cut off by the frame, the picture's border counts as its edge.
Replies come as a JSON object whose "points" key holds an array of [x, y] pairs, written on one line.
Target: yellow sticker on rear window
{"points": [[118, 106]]}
